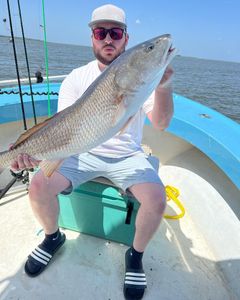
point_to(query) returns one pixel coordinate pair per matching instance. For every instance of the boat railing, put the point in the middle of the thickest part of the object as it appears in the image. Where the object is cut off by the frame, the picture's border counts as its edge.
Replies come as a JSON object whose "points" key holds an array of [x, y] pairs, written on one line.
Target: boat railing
{"points": [[10, 82]]}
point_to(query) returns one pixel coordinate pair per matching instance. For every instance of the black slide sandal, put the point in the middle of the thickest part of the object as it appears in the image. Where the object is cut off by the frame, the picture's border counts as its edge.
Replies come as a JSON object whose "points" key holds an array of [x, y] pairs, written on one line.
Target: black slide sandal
{"points": [[134, 284], [41, 257]]}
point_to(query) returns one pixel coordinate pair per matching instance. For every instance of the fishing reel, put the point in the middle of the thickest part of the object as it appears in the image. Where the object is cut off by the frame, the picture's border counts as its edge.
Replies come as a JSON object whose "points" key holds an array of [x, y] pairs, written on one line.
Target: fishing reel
{"points": [[21, 176], [17, 176]]}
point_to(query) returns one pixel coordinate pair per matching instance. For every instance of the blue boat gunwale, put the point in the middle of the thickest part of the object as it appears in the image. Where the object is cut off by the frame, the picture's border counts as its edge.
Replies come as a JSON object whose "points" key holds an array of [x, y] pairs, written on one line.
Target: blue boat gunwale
{"points": [[214, 134], [211, 132]]}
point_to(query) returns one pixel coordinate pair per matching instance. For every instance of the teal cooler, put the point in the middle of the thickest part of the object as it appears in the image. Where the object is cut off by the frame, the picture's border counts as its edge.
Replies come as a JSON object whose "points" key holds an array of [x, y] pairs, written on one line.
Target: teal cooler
{"points": [[99, 210]]}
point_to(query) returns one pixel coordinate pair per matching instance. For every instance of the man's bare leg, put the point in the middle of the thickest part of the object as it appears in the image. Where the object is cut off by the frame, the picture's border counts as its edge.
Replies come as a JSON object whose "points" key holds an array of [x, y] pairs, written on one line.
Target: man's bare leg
{"points": [[153, 202], [43, 198], [43, 193]]}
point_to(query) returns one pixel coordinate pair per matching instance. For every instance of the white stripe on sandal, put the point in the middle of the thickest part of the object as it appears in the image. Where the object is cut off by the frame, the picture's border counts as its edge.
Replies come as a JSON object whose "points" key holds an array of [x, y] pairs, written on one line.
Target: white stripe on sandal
{"points": [[41, 256], [135, 283], [44, 252], [133, 278]]}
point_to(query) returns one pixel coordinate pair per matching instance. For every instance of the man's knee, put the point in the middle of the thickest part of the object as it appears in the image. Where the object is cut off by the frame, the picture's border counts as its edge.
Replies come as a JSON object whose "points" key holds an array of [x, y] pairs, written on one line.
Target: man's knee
{"points": [[41, 185], [158, 201], [36, 186], [154, 199]]}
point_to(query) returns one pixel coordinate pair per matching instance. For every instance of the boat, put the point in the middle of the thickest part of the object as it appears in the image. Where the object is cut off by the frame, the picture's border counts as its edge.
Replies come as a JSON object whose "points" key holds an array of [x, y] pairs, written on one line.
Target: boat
{"points": [[195, 256]]}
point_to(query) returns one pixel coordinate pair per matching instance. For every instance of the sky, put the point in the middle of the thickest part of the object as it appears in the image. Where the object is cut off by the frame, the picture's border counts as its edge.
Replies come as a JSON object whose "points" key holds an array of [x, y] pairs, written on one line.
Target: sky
{"points": [[206, 29]]}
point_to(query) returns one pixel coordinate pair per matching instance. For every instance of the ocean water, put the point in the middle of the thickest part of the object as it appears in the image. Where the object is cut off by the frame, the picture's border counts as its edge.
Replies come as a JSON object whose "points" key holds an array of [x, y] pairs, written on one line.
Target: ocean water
{"points": [[215, 84]]}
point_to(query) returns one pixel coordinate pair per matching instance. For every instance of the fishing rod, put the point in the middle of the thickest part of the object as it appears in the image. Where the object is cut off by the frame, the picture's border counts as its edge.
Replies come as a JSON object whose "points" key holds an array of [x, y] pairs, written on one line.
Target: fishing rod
{"points": [[16, 64], [46, 55], [22, 175], [26, 57]]}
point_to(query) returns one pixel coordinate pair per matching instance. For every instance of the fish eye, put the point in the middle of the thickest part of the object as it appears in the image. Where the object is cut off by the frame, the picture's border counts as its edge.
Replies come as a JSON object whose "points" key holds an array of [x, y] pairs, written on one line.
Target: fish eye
{"points": [[150, 48]]}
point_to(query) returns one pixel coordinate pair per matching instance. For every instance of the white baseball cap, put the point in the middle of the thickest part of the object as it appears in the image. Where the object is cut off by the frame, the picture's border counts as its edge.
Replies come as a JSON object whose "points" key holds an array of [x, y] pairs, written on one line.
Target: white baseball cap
{"points": [[108, 13]]}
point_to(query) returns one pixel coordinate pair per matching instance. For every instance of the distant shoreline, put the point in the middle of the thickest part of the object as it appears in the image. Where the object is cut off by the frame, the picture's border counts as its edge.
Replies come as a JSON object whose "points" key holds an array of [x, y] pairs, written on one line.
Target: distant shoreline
{"points": [[77, 45], [39, 40]]}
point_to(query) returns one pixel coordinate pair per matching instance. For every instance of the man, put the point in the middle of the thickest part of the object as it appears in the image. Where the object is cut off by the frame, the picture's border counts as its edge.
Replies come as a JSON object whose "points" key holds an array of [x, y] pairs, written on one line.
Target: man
{"points": [[116, 159]]}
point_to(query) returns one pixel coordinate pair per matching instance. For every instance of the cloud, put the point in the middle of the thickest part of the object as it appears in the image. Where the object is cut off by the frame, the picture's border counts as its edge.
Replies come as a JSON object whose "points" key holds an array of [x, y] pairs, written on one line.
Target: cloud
{"points": [[138, 21]]}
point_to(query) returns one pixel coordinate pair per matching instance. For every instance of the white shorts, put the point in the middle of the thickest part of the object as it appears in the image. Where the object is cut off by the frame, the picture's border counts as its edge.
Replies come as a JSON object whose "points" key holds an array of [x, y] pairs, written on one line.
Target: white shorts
{"points": [[123, 172]]}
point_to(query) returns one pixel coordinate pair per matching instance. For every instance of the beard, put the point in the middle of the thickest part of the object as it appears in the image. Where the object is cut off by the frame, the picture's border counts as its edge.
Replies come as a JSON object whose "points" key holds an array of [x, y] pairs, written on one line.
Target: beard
{"points": [[105, 59]]}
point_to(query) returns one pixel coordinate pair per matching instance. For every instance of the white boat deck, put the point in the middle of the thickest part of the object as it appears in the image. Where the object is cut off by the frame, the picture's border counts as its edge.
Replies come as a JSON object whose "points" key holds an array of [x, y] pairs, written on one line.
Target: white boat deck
{"points": [[196, 257], [178, 262]]}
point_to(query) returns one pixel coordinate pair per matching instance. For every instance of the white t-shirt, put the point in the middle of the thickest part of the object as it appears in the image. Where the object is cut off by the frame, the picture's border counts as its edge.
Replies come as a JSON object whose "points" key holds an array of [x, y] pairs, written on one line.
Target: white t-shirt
{"points": [[122, 145]]}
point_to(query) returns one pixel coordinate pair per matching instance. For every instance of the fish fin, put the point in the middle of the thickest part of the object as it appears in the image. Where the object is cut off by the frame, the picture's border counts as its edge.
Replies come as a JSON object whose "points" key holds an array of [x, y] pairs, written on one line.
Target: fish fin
{"points": [[48, 167], [119, 99], [125, 126], [30, 132]]}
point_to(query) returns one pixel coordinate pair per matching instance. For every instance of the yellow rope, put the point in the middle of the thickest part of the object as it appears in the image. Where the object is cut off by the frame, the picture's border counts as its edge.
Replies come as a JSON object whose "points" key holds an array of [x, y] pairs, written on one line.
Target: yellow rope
{"points": [[172, 193]]}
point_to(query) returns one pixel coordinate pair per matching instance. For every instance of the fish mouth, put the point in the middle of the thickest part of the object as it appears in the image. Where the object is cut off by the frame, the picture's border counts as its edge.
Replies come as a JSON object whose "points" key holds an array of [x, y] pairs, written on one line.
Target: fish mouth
{"points": [[172, 51]]}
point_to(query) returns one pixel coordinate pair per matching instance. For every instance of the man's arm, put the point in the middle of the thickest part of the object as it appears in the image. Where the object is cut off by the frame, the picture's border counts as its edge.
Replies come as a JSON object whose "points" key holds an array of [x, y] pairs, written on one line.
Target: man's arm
{"points": [[162, 111]]}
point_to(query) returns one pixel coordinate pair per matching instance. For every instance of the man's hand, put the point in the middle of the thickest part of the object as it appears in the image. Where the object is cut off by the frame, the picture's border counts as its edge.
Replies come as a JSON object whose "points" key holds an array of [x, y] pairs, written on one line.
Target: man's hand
{"points": [[23, 161], [162, 111], [166, 81]]}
